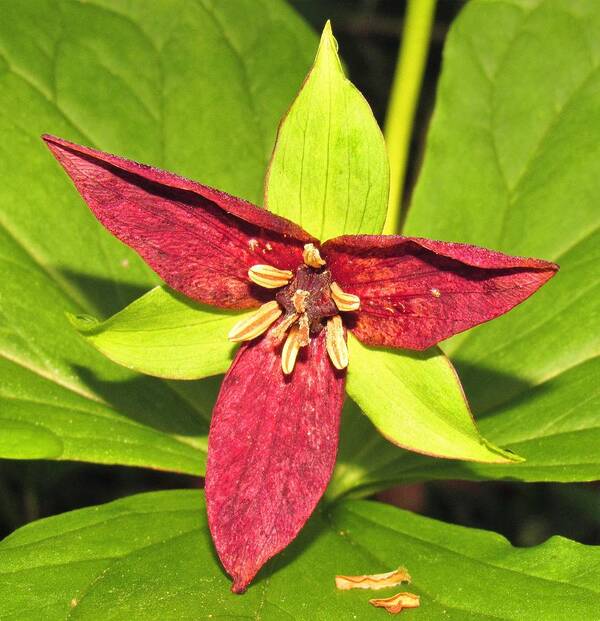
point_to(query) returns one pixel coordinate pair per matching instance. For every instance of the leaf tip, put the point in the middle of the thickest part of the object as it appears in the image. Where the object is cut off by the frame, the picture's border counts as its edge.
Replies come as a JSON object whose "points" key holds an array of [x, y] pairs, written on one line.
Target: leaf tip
{"points": [[506, 455], [328, 47], [82, 323]]}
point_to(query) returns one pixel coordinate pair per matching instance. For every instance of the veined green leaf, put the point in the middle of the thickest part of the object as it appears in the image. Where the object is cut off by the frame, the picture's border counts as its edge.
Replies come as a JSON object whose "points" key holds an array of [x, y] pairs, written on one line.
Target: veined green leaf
{"points": [[415, 400], [143, 80], [329, 170], [149, 557], [551, 426], [164, 334], [512, 162]]}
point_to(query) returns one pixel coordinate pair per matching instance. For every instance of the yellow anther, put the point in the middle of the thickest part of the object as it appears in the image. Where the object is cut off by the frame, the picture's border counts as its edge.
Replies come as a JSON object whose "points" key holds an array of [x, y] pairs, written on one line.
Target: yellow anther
{"points": [[250, 327], [290, 350], [299, 300], [344, 301], [268, 276], [336, 343], [283, 327], [312, 256]]}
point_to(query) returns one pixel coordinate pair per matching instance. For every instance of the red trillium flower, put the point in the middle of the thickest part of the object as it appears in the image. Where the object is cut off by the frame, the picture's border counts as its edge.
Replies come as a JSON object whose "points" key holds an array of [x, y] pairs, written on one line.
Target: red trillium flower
{"points": [[274, 431]]}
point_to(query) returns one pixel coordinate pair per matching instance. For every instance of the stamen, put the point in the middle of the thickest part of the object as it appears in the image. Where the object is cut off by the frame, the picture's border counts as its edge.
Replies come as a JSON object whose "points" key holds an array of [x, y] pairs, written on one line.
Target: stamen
{"points": [[290, 350], [312, 256], [344, 301], [304, 330], [268, 276], [282, 328], [336, 343], [250, 327], [299, 300]]}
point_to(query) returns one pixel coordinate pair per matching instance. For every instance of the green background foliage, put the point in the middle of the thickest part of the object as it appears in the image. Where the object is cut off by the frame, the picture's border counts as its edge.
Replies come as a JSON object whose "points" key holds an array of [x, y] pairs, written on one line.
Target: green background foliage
{"points": [[150, 557]]}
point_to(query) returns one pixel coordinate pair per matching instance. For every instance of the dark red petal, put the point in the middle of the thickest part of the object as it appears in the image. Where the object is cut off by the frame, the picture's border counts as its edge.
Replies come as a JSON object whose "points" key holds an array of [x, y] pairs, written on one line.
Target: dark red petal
{"points": [[416, 292], [271, 452], [200, 241]]}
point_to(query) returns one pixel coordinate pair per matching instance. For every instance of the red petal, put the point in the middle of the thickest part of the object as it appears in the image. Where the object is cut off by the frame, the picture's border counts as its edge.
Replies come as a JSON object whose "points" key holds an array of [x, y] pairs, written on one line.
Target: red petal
{"points": [[416, 292], [271, 452], [197, 239]]}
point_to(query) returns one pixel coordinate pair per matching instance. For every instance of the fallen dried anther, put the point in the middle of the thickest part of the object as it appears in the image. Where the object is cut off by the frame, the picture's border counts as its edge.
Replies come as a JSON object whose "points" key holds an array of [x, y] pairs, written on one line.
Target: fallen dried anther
{"points": [[397, 603], [373, 581]]}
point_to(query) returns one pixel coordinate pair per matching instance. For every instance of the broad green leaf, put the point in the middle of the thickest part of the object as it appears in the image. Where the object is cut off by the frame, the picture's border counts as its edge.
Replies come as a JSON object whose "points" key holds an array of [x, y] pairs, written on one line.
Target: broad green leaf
{"points": [[551, 426], [416, 401], [150, 557], [164, 334], [329, 170], [512, 163], [194, 87]]}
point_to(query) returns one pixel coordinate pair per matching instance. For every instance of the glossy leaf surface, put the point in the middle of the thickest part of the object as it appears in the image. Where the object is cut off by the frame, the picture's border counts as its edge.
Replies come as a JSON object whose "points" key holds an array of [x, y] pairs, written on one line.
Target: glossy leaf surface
{"points": [[551, 426], [144, 81], [497, 175], [149, 557], [520, 182]]}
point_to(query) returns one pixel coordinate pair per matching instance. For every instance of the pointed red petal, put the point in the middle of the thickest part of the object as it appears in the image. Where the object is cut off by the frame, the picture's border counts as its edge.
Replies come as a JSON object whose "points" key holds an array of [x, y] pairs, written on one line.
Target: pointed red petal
{"points": [[416, 292], [200, 241], [271, 452]]}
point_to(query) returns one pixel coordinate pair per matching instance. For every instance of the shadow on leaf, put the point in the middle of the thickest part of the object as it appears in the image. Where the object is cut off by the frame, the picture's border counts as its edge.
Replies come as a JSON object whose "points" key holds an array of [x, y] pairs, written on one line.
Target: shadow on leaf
{"points": [[162, 405], [105, 294]]}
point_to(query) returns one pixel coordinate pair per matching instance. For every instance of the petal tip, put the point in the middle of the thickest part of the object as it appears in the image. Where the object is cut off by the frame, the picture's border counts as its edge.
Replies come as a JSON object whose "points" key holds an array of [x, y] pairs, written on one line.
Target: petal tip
{"points": [[51, 140], [239, 586], [241, 577]]}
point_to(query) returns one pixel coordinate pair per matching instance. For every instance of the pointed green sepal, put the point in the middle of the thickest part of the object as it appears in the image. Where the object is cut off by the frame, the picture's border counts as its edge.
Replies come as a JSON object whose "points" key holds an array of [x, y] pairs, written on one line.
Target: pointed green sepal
{"points": [[416, 401], [329, 171], [164, 334]]}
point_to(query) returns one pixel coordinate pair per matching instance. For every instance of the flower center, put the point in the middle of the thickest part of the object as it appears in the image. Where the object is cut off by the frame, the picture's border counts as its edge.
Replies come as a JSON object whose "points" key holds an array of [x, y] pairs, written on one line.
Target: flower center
{"points": [[309, 300], [309, 293]]}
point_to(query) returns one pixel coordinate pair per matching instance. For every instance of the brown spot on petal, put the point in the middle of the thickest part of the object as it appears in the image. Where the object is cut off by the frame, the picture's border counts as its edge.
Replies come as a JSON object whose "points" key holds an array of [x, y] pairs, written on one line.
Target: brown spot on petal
{"points": [[373, 581], [397, 603]]}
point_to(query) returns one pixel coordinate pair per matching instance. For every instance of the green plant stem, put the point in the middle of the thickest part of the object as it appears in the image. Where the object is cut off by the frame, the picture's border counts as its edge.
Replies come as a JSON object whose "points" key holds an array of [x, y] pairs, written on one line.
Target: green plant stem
{"points": [[403, 100]]}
